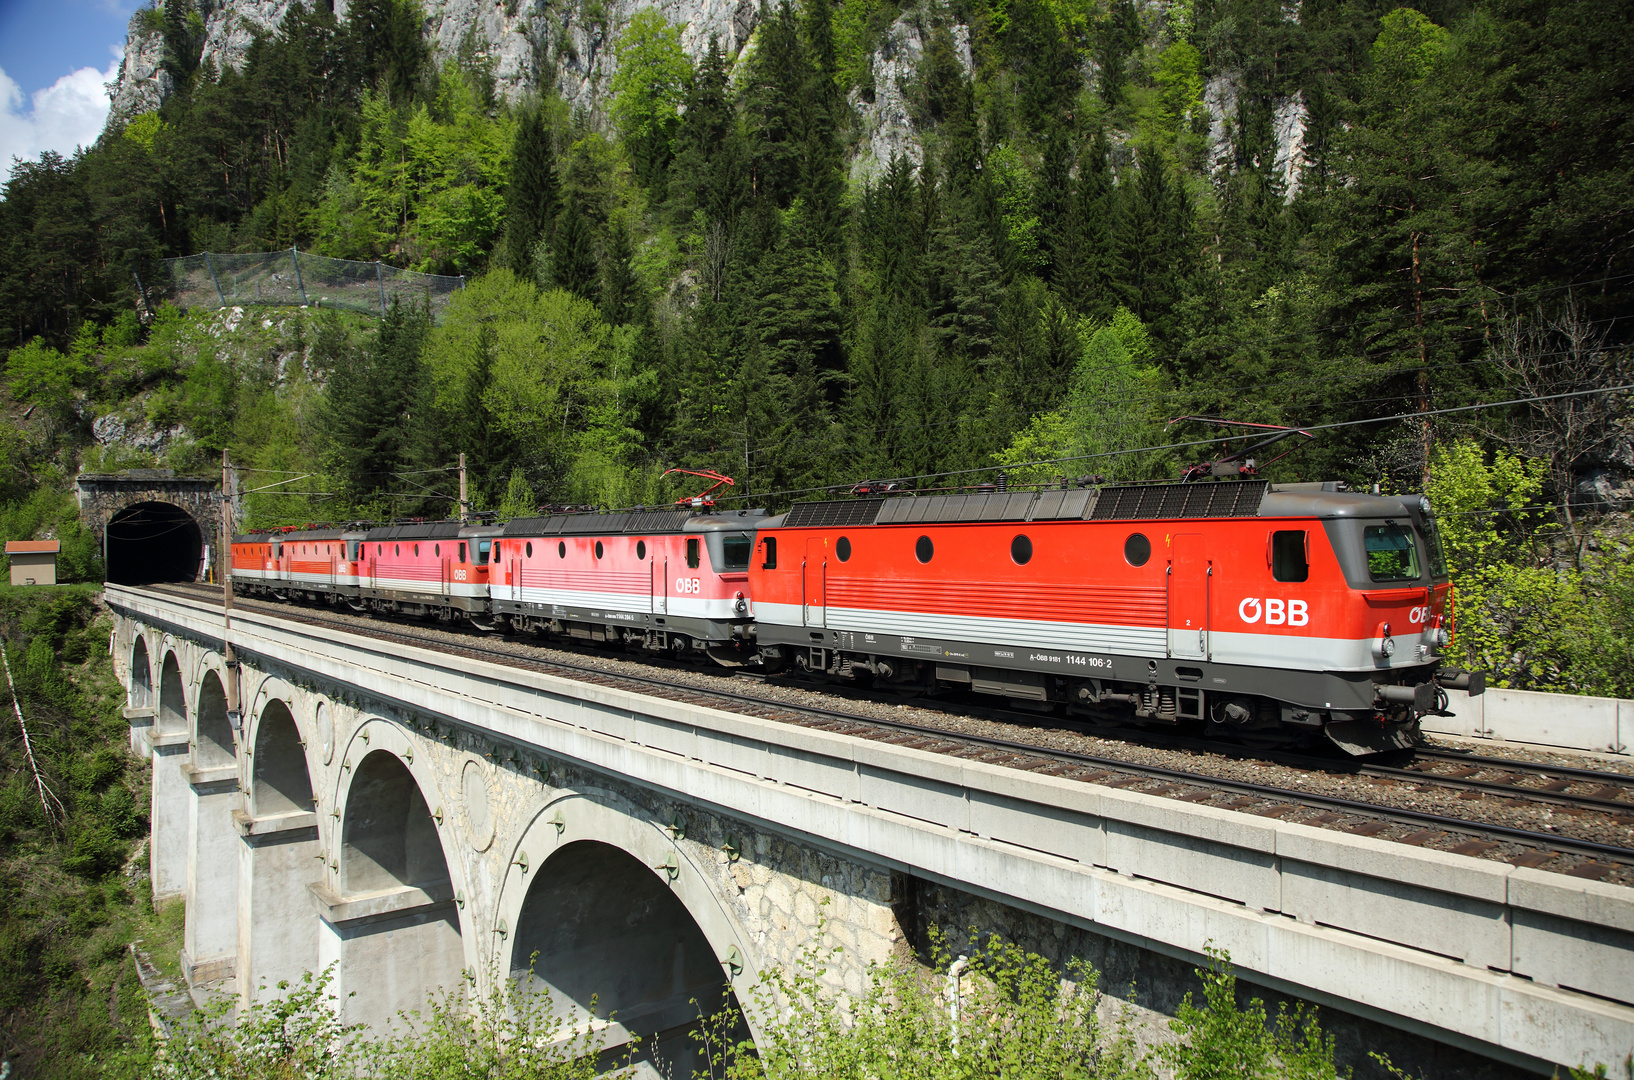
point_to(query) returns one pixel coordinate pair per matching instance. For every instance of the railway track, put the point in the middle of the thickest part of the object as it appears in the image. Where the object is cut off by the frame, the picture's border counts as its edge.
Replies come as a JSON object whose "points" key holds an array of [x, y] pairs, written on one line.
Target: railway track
{"points": [[1479, 778]]}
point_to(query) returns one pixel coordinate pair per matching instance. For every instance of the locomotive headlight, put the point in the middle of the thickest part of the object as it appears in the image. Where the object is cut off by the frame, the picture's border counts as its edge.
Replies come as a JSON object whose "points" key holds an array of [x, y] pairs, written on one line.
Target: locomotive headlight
{"points": [[1441, 636], [1388, 647], [1424, 503], [741, 605]]}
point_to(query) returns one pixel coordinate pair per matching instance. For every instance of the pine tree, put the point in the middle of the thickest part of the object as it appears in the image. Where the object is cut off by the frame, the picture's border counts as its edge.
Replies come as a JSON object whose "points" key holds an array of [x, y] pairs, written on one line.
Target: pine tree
{"points": [[533, 198], [573, 264], [1086, 256], [369, 416], [707, 176], [777, 78], [1054, 201], [620, 290]]}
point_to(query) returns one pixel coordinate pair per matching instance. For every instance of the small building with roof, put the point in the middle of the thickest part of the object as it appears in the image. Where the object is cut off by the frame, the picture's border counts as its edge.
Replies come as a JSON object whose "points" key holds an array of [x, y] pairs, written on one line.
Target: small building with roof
{"points": [[33, 562]]}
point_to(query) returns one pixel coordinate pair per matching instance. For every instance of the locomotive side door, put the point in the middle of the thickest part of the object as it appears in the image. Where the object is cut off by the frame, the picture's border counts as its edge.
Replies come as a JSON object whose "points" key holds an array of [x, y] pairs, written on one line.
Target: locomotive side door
{"points": [[1190, 577], [660, 586], [813, 576]]}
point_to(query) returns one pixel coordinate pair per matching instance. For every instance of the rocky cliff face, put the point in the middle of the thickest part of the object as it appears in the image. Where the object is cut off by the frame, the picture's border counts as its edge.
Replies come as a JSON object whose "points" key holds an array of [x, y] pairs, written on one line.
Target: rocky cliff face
{"points": [[571, 45], [1288, 120], [523, 40], [887, 128]]}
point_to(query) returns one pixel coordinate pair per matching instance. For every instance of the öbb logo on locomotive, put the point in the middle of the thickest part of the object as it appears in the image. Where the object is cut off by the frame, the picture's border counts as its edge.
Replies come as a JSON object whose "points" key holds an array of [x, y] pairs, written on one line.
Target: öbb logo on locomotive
{"points": [[1275, 611], [771, 592]]}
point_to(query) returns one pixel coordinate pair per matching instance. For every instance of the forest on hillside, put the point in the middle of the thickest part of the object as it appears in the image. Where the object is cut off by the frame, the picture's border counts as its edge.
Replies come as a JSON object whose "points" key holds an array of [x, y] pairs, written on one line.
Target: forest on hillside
{"points": [[693, 274]]}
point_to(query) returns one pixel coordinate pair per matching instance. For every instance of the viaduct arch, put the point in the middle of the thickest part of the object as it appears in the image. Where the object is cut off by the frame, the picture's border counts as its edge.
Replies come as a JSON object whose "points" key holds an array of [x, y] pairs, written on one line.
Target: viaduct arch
{"points": [[419, 855]]}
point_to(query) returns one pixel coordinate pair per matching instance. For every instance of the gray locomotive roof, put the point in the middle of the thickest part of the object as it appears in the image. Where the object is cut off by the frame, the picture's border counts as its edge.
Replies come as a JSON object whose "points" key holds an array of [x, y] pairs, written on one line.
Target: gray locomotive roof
{"points": [[424, 530], [666, 520], [1123, 502], [317, 534], [1310, 500]]}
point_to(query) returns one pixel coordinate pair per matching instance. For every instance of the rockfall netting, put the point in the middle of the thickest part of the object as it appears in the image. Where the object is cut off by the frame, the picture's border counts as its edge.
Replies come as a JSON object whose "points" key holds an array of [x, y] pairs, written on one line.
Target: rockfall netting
{"points": [[293, 278]]}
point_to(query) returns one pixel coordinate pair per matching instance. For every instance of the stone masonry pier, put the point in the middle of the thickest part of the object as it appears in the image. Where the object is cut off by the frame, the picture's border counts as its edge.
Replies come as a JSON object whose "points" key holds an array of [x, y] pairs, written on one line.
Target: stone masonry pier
{"points": [[424, 821]]}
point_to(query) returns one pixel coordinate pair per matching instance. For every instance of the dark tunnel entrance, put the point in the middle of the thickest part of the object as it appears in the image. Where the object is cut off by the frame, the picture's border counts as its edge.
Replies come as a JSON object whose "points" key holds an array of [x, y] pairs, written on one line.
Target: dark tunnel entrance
{"points": [[153, 541]]}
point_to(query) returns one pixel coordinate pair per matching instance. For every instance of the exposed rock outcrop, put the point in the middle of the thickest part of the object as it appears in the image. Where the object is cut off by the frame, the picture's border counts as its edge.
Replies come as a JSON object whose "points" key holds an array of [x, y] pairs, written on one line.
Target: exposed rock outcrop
{"points": [[524, 41], [1288, 122], [887, 124]]}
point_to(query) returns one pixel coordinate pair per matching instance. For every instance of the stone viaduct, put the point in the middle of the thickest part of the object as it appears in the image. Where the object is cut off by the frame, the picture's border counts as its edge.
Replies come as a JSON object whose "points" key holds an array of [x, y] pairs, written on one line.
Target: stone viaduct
{"points": [[422, 820]]}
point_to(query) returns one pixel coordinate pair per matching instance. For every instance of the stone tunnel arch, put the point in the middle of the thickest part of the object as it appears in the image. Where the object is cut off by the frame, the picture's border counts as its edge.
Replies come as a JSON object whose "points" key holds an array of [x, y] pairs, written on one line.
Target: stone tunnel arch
{"points": [[141, 675], [408, 946], [279, 780], [213, 737], [606, 936], [153, 541], [172, 697]]}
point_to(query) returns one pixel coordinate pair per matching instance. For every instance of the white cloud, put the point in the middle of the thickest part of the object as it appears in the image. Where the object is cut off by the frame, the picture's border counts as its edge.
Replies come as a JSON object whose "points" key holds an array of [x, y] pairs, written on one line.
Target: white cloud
{"points": [[67, 114]]}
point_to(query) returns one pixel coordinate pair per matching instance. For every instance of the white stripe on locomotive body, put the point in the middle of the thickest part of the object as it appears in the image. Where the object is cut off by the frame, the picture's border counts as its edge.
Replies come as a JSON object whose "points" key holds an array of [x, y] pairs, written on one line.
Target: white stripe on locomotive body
{"points": [[1249, 650], [691, 607], [423, 587]]}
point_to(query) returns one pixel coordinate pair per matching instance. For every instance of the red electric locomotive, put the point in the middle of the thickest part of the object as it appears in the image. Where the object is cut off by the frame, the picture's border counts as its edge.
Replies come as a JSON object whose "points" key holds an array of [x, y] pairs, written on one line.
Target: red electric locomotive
{"points": [[1272, 610], [438, 568], [309, 563], [671, 579]]}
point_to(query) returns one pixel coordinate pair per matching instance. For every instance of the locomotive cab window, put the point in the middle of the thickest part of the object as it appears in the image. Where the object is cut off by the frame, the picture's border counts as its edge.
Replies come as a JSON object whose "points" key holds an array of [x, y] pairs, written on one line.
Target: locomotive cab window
{"points": [[462, 552], [735, 548], [1289, 561], [692, 552], [1392, 552], [482, 552], [770, 561], [1433, 550]]}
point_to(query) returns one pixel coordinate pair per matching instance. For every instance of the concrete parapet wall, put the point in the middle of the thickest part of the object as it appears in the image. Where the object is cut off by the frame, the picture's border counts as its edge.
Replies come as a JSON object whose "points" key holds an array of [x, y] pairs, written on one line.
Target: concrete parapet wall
{"points": [[1572, 721], [1519, 965]]}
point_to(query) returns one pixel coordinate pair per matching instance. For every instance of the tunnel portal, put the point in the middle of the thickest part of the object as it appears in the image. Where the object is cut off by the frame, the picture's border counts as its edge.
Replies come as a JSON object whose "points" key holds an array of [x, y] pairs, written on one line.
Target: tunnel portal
{"points": [[153, 541]]}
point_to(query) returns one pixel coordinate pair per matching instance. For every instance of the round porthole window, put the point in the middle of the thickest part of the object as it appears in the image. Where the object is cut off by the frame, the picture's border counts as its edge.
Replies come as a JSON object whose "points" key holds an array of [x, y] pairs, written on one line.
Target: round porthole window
{"points": [[1021, 550], [561, 549], [416, 551], [529, 549], [1137, 549], [397, 550], [437, 550], [923, 549], [598, 549], [842, 548], [641, 549]]}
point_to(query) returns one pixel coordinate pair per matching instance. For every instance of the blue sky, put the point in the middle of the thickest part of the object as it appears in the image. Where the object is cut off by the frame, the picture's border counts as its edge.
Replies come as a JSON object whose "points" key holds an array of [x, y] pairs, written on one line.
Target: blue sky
{"points": [[54, 57]]}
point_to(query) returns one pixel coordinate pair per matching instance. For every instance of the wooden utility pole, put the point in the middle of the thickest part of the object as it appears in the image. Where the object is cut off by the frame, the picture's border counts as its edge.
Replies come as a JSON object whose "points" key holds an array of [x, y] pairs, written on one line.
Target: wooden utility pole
{"points": [[226, 579], [465, 511]]}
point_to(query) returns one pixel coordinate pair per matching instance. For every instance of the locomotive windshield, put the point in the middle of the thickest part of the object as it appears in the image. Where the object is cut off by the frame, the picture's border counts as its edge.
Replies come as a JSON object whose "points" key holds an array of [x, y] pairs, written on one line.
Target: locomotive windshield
{"points": [[1432, 547], [735, 548], [1392, 552]]}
